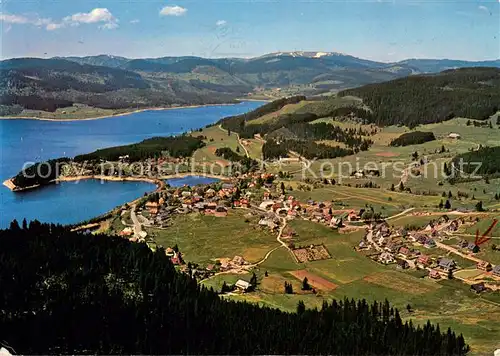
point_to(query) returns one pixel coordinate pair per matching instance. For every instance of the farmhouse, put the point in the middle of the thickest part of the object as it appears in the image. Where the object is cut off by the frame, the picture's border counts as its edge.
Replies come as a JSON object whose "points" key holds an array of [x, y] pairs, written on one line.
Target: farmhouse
{"points": [[152, 207], [454, 136], [496, 270], [478, 287], [434, 274], [220, 211], [242, 285], [385, 258], [402, 264], [484, 265], [393, 247], [430, 243], [126, 232], [423, 261], [472, 247], [446, 264], [404, 251]]}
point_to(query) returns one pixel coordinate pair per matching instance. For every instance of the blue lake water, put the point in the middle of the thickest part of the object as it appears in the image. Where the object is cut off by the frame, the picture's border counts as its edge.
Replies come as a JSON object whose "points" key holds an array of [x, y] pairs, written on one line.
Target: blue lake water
{"points": [[35, 140], [190, 181]]}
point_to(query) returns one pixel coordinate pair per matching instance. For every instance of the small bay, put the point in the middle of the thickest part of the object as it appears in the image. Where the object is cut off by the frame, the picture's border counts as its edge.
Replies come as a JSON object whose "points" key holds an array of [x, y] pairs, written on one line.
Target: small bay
{"points": [[24, 140]]}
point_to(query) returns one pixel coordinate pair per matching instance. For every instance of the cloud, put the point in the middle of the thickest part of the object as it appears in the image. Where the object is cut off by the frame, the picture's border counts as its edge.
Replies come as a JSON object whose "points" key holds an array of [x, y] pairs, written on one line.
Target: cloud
{"points": [[94, 16], [135, 21], [14, 19], [24, 20], [53, 26], [221, 23], [173, 11], [97, 15], [484, 8]]}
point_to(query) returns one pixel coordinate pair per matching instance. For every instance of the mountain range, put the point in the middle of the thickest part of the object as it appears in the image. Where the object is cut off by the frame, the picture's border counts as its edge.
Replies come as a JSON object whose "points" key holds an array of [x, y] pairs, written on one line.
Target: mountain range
{"points": [[116, 82]]}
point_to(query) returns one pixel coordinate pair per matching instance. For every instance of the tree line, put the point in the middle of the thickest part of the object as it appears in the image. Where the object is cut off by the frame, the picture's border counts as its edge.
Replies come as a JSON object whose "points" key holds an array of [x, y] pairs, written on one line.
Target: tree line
{"points": [[415, 100], [413, 138], [486, 159], [247, 164], [299, 127], [264, 109], [39, 173], [80, 294], [174, 146]]}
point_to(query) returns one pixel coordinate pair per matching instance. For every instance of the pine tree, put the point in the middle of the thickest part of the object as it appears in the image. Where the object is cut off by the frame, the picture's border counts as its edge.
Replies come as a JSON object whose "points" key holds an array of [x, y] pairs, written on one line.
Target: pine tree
{"points": [[392, 187], [447, 205], [305, 284], [253, 280], [301, 307], [441, 204]]}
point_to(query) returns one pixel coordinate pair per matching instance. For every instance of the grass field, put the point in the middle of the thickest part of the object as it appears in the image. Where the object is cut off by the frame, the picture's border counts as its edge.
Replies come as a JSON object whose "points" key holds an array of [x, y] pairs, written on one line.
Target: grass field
{"points": [[202, 239], [448, 303], [287, 109]]}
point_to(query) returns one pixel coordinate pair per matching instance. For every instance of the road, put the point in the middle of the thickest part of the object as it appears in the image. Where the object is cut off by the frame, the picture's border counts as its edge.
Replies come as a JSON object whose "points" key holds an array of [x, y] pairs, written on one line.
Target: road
{"points": [[137, 224], [239, 140], [456, 252], [400, 214]]}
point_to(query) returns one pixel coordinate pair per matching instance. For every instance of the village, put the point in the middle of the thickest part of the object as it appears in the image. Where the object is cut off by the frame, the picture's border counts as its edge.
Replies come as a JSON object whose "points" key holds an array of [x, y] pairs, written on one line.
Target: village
{"points": [[260, 196], [406, 250]]}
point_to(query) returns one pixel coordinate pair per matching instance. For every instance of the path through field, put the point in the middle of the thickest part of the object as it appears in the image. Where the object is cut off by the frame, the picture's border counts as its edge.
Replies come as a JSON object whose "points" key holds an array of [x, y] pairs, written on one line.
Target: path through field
{"points": [[239, 140]]}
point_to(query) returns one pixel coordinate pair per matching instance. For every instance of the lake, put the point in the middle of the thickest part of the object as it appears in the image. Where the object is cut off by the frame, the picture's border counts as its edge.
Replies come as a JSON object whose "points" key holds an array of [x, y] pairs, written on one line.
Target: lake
{"points": [[36, 140], [190, 181]]}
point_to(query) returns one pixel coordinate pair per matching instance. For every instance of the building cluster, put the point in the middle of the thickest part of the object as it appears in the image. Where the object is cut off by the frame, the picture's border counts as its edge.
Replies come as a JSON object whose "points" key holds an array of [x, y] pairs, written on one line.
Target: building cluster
{"points": [[400, 247], [203, 199], [404, 248]]}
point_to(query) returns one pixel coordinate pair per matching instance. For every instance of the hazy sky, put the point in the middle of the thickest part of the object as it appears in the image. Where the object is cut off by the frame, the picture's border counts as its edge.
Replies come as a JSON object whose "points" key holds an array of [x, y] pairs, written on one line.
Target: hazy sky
{"points": [[381, 30]]}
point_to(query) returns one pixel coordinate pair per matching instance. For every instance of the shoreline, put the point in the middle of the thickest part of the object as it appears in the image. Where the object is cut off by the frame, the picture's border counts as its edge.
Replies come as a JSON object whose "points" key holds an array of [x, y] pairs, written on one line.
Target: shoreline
{"points": [[122, 114], [159, 182]]}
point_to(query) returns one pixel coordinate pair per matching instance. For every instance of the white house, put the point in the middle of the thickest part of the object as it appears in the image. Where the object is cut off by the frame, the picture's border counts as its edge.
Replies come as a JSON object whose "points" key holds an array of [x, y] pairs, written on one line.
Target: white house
{"points": [[242, 285], [454, 136]]}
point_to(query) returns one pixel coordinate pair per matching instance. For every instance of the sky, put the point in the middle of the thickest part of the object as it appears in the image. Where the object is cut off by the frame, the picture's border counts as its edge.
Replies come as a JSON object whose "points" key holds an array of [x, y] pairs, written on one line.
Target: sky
{"points": [[383, 30]]}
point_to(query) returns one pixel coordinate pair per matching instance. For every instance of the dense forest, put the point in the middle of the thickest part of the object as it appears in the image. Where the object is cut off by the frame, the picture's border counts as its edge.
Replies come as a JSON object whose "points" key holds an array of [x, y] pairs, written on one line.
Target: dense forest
{"points": [[486, 160], [174, 146], [229, 154], [468, 92], [413, 138], [274, 149], [39, 173], [246, 164], [300, 127], [70, 293]]}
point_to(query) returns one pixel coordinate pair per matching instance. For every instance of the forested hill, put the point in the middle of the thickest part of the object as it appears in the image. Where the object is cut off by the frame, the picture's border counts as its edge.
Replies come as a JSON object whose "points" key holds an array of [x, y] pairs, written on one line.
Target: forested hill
{"points": [[484, 161], [69, 293], [469, 92], [48, 84]]}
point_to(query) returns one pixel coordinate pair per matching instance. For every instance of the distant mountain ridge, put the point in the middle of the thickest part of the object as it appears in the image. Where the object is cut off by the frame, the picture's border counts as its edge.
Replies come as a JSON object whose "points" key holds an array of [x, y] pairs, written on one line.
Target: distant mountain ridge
{"points": [[116, 82], [419, 65]]}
